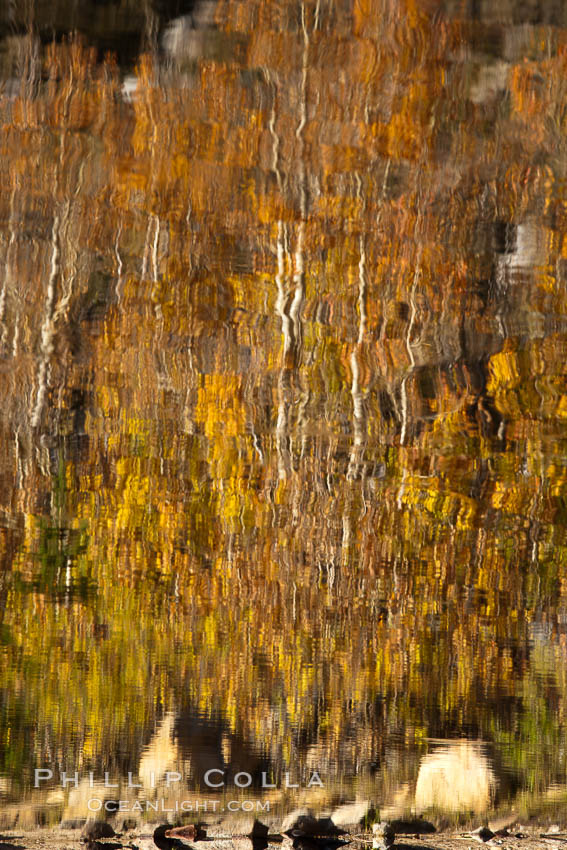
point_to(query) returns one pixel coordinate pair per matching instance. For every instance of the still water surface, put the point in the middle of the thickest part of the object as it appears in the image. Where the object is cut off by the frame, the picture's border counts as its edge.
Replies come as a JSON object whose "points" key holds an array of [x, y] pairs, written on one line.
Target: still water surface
{"points": [[283, 359]]}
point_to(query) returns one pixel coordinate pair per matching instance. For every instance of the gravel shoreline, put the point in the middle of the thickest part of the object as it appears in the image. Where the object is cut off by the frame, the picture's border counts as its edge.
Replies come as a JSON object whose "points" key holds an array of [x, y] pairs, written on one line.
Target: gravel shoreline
{"points": [[142, 839]]}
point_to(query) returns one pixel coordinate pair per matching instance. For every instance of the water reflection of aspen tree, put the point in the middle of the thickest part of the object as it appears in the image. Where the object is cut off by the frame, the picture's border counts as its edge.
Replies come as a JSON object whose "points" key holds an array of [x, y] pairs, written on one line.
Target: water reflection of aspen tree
{"points": [[10, 260], [282, 436], [297, 303], [409, 346], [48, 325], [358, 407], [289, 304], [299, 276]]}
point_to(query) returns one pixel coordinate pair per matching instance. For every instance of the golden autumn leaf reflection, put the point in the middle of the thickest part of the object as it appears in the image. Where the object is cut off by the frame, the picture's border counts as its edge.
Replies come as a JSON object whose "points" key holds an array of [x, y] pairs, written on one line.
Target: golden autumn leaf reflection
{"points": [[283, 337]]}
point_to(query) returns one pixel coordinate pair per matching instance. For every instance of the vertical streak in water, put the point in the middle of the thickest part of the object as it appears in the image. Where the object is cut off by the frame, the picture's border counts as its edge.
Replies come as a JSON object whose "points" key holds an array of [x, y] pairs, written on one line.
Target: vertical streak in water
{"points": [[273, 133], [67, 281], [54, 309], [146, 257], [281, 302], [157, 306], [16, 337], [48, 326], [6, 284], [409, 346], [155, 248], [290, 313], [359, 418], [384, 187], [317, 15], [299, 276], [119, 281], [164, 379], [18, 459]]}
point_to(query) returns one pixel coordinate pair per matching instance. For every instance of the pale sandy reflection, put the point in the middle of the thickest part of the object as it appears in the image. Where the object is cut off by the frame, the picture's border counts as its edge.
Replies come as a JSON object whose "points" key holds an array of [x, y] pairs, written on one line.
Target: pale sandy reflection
{"points": [[161, 754], [457, 776]]}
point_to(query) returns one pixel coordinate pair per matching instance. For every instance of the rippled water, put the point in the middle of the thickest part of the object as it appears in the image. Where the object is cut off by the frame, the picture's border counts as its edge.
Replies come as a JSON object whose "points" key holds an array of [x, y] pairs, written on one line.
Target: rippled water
{"points": [[283, 335]]}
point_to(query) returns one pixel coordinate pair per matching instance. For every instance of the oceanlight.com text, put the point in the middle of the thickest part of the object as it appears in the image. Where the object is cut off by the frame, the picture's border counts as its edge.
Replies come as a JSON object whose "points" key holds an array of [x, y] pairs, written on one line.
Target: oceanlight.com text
{"points": [[95, 804]]}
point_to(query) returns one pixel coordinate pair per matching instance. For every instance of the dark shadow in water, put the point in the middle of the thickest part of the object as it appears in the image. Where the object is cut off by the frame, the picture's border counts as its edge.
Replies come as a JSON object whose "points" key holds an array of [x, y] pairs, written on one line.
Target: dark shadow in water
{"points": [[211, 745], [123, 27]]}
